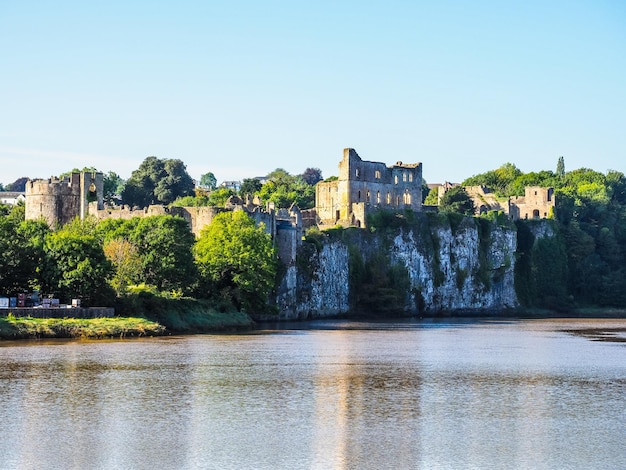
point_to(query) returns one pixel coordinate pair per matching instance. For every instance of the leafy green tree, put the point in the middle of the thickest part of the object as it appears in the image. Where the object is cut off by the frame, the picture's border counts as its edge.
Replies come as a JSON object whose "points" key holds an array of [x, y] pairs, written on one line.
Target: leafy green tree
{"points": [[157, 181], [457, 200], [208, 180], [432, 198], [219, 197], [192, 201], [560, 168], [250, 186], [542, 178], [312, 176], [78, 267], [500, 180], [21, 254], [284, 190], [165, 245], [237, 260], [126, 261], [113, 185]]}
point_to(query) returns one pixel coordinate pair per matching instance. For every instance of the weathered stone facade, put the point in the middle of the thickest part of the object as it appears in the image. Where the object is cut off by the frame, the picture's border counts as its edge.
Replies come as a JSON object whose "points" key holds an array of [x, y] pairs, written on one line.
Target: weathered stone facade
{"points": [[485, 200], [537, 203], [58, 201], [363, 186]]}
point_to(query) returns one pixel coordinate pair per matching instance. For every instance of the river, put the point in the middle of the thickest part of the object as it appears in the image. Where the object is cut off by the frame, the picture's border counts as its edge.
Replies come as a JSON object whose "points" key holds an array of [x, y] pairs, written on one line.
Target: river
{"points": [[448, 394]]}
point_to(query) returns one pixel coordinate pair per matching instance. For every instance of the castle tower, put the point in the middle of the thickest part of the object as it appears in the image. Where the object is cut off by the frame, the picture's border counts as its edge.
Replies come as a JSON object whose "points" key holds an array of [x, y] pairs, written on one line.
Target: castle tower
{"points": [[58, 201]]}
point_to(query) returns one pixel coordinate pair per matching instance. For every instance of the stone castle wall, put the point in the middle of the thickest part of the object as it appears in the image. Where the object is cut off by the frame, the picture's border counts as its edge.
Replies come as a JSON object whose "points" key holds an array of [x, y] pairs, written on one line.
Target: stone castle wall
{"points": [[58, 201], [537, 203]]}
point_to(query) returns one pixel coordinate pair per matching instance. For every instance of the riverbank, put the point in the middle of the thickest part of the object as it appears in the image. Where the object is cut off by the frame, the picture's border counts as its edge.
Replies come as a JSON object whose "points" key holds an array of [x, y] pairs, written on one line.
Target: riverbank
{"points": [[12, 327]]}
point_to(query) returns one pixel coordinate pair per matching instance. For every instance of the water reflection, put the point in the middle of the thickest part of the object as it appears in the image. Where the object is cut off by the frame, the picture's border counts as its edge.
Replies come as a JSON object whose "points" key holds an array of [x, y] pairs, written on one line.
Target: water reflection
{"points": [[404, 395]]}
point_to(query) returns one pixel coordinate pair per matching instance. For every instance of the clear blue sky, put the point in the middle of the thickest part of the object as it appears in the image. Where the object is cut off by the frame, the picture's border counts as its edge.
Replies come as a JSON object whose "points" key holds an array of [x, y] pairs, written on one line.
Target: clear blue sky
{"points": [[240, 88]]}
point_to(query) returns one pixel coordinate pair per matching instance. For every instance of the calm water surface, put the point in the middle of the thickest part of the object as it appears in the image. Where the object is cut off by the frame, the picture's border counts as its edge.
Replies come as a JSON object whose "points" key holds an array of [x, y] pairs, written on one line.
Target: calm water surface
{"points": [[330, 395]]}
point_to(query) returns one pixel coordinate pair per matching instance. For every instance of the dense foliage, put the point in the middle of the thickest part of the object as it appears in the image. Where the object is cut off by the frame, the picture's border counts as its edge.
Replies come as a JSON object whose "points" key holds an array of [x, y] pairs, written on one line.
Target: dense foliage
{"points": [[585, 263], [458, 201], [237, 260], [157, 181]]}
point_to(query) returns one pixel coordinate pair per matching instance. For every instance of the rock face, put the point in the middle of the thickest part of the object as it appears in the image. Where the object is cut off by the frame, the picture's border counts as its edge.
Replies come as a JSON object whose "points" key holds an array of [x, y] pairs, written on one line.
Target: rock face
{"points": [[468, 268], [318, 286], [463, 272]]}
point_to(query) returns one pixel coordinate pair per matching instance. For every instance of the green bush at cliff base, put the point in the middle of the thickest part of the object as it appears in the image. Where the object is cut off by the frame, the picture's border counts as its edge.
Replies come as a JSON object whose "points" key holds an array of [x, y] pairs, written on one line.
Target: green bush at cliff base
{"points": [[26, 327], [183, 315]]}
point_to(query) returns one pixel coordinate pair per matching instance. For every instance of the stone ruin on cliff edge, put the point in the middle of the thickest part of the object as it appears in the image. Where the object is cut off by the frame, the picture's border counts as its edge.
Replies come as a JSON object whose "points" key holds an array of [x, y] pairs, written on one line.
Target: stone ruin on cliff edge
{"points": [[364, 186]]}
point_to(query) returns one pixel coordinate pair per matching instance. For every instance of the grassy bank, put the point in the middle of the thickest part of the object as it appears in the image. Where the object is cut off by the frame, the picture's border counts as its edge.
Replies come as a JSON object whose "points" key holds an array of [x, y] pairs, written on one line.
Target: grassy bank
{"points": [[183, 315], [143, 314], [118, 327]]}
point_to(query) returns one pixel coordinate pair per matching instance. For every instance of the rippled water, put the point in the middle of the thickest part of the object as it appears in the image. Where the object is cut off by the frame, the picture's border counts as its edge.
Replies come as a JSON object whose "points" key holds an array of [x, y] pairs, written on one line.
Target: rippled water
{"points": [[454, 394]]}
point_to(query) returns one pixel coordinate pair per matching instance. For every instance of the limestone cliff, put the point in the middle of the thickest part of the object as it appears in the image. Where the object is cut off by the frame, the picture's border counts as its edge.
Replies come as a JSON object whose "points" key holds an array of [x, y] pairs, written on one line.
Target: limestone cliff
{"points": [[428, 266]]}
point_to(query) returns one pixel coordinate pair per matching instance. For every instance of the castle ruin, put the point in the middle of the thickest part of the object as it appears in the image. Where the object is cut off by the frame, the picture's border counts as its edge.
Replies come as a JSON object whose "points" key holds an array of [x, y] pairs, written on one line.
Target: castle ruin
{"points": [[363, 186], [58, 201]]}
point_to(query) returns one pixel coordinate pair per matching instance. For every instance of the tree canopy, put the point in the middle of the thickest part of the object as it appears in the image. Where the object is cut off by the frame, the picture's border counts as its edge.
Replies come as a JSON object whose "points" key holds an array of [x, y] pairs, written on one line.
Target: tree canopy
{"points": [[457, 200], [237, 260], [208, 180], [284, 190], [157, 181]]}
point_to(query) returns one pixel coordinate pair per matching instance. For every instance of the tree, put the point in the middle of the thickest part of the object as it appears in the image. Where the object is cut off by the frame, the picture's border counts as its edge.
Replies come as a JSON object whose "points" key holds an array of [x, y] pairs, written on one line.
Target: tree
{"points": [[457, 200], [500, 180], [560, 168], [284, 190], [432, 199], [113, 185], [208, 180], [219, 197], [165, 245], [21, 254], [312, 176], [18, 185], [250, 186], [78, 268], [157, 181], [126, 262], [237, 260]]}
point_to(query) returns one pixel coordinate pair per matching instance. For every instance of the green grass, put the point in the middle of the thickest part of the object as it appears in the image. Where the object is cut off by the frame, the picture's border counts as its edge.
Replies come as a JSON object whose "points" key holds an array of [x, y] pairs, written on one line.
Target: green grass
{"points": [[117, 327]]}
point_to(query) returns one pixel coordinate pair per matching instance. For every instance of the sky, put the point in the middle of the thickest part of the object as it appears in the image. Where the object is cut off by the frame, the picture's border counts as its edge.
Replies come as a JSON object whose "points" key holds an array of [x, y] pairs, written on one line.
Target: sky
{"points": [[240, 88]]}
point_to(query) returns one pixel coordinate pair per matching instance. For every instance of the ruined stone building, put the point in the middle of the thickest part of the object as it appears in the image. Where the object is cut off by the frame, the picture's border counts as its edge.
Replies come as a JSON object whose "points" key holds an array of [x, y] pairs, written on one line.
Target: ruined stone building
{"points": [[537, 203], [363, 186], [58, 201]]}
